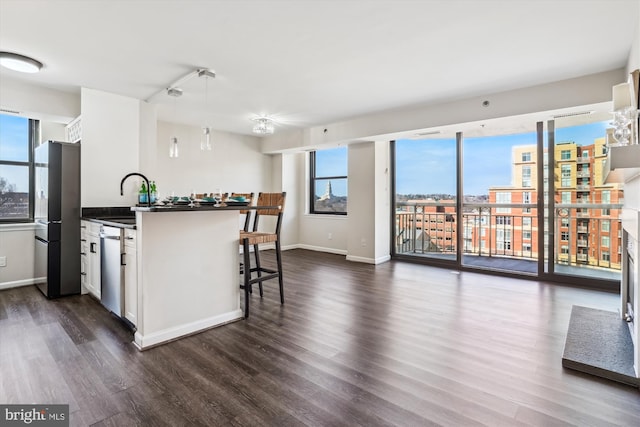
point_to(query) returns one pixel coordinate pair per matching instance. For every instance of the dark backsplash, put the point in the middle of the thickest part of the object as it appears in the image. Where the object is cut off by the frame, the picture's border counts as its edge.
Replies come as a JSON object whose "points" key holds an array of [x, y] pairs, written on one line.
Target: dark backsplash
{"points": [[108, 211]]}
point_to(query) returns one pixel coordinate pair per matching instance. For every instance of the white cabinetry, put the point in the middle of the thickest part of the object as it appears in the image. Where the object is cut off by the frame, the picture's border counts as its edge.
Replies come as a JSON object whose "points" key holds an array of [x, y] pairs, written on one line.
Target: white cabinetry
{"points": [[90, 257], [84, 256], [130, 277]]}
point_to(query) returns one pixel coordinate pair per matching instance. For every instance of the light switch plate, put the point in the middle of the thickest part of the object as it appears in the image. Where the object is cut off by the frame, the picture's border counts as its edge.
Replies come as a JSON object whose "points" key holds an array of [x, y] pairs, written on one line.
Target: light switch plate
{"points": [[3, 261]]}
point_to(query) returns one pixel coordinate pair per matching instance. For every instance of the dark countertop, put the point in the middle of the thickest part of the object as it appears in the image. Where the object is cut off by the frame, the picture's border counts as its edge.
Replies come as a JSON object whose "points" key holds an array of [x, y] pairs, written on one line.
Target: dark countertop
{"points": [[195, 208], [112, 216], [120, 222]]}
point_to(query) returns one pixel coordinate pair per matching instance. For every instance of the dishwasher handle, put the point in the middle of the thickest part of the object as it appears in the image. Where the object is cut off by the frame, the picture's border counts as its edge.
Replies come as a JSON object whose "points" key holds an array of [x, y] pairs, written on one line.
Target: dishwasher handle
{"points": [[104, 236]]}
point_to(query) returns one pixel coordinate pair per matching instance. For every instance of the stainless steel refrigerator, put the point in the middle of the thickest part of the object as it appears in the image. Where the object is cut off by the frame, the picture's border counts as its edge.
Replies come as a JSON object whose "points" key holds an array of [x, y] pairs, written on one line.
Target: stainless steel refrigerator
{"points": [[57, 217]]}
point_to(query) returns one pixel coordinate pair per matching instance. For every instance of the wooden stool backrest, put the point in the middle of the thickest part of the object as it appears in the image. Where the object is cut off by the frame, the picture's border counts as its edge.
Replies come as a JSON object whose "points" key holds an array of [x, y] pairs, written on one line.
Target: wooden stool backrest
{"points": [[270, 199]]}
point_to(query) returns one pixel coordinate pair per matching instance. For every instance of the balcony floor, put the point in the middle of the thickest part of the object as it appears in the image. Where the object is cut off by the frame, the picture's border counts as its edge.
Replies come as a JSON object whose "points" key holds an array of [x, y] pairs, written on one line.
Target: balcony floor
{"points": [[524, 266]]}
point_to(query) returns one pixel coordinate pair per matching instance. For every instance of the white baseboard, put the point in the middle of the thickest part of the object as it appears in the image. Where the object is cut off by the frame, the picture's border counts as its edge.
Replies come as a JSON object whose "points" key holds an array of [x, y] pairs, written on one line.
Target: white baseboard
{"points": [[143, 342], [24, 282], [378, 260], [319, 249]]}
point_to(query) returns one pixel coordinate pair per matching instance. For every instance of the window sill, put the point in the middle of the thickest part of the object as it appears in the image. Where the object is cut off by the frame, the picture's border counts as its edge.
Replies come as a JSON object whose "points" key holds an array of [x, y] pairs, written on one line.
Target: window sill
{"points": [[326, 216], [17, 226]]}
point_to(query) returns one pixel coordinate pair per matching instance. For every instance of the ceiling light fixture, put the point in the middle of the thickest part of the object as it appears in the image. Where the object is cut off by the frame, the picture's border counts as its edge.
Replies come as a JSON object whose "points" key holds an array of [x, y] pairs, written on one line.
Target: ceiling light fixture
{"points": [[263, 126], [21, 63]]}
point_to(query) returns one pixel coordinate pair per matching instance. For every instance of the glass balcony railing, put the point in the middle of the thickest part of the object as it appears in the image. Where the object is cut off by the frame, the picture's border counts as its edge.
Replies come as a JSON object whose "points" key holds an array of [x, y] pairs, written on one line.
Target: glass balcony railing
{"points": [[582, 237]]}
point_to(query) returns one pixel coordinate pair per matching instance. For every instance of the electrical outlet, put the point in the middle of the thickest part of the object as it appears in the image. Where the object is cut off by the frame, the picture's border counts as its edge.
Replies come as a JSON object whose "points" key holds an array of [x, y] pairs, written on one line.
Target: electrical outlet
{"points": [[3, 261], [330, 236]]}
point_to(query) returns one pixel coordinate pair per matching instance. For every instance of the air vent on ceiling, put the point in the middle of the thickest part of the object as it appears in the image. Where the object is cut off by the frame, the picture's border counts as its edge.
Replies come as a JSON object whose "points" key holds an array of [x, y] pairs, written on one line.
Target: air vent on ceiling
{"points": [[433, 132], [3, 110], [578, 113]]}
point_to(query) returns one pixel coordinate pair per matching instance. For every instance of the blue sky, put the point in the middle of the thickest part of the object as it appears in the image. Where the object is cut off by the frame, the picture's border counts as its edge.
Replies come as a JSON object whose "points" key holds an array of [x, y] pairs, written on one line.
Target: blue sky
{"points": [[332, 162], [428, 166], [14, 146]]}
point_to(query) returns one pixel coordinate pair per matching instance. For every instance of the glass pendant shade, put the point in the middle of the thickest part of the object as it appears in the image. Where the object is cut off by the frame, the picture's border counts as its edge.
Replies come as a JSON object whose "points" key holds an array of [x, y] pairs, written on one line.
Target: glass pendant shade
{"points": [[205, 139], [173, 147]]}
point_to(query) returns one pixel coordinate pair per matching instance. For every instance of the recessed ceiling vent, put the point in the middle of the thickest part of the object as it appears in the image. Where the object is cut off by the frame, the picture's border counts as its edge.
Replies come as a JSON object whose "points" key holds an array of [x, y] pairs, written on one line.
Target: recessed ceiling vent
{"points": [[577, 113], [3, 110], [433, 132]]}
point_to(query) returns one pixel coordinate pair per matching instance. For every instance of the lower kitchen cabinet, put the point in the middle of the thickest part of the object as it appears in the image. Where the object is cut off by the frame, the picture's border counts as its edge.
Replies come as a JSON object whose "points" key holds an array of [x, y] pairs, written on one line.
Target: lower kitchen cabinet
{"points": [[90, 257], [130, 277]]}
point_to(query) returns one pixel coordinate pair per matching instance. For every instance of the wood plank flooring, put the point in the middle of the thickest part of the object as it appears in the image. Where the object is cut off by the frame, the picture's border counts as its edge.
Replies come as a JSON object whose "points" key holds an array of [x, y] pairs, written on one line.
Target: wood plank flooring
{"points": [[354, 344]]}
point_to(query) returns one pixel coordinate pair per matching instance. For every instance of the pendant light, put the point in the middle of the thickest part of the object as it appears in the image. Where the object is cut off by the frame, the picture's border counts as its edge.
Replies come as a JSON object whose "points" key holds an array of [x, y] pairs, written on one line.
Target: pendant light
{"points": [[205, 137], [173, 142]]}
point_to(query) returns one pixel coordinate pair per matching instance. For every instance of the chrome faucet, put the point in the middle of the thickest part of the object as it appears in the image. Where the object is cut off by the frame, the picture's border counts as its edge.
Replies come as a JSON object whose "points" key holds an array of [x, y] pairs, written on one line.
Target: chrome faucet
{"points": [[143, 177]]}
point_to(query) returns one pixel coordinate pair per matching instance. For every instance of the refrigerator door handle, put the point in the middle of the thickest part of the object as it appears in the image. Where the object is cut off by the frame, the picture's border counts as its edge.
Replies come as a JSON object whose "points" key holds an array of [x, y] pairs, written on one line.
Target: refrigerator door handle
{"points": [[55, 222]]}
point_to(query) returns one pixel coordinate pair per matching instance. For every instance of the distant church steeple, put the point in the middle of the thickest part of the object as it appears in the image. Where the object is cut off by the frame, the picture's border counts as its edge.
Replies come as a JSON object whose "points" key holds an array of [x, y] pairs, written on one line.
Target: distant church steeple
{"points": [[328, 193]]}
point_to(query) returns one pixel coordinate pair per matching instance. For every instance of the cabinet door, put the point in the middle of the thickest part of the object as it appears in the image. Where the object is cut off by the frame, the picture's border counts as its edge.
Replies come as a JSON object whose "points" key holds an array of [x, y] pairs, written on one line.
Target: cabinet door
{"points": [[130, 285], [83, 273], [94, 266]]}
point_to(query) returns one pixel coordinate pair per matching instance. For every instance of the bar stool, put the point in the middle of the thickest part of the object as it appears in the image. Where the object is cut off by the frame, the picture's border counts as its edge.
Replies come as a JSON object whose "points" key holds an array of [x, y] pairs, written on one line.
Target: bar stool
{"points": [[245, 212], [255, 238]]}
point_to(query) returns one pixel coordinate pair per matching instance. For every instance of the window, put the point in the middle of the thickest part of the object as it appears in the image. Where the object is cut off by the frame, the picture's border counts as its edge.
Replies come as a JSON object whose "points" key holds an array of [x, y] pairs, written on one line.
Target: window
{"points": [[526, 157], [526, 221], [606, 225], [503, 197], [16, 168], [565, 175], [526, 176], [606, 199], [329, 181], [526, 235], [565, 155], [564, 236], [564, 249], [526, 247], [565, 197], [606, 256], [526, 198], [503, 239], [605, 241], [503, 220], [564, 221]]}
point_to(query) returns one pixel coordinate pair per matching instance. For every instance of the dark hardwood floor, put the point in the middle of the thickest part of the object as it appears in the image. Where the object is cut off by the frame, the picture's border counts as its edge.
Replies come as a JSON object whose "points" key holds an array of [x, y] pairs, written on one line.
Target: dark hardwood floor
{"points": [[354, 344]]}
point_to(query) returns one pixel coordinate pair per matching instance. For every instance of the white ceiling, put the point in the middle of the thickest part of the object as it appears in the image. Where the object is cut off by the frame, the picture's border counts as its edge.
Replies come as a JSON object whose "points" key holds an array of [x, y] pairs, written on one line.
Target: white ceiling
{"points": [[310, 63]]}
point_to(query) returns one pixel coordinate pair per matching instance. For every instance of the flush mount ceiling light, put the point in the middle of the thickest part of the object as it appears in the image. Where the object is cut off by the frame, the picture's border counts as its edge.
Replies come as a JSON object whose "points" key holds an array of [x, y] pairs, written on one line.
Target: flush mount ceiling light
{"points": [[21, 63], [263, 126]]}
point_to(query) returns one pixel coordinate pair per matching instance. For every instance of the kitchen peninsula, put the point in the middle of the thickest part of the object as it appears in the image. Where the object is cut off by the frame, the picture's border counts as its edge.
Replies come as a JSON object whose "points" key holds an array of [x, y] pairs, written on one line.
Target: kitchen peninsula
{"points": [[187, 273]]}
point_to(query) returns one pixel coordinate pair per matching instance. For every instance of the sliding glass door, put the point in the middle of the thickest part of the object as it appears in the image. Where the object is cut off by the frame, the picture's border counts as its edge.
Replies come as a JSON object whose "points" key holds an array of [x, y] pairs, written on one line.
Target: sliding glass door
{"points": [[584, 215], [425, 202], [532, 202], [499, 204]]}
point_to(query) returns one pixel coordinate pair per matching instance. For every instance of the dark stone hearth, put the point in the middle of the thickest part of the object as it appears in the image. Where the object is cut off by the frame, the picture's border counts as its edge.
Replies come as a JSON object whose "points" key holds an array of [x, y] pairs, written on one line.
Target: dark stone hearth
{"points": [[599, 343]]}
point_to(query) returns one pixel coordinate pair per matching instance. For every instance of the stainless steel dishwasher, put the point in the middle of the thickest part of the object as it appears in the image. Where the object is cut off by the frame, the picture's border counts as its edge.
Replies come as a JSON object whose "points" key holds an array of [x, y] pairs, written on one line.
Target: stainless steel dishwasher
{"points": [[112, 269]]}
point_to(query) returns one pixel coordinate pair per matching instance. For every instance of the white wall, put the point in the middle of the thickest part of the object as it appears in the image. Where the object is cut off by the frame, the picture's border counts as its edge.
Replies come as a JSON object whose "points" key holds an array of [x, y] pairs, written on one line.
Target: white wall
{"points": [[37, 102], [285, 177], [236, 163], [634, 55], [50, 131], [586, 90], [17, 244], [110, 147]]}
